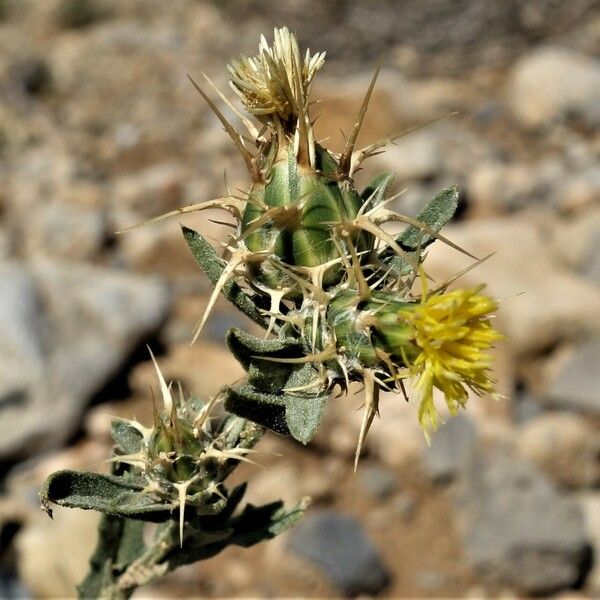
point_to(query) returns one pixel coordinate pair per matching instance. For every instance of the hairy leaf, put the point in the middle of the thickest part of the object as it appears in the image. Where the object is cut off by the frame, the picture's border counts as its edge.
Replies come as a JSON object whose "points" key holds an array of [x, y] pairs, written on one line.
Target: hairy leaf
{"points": [[296, 413], [437, 212], [120, 496], [251, 526], [127, 438], [213, 265]]}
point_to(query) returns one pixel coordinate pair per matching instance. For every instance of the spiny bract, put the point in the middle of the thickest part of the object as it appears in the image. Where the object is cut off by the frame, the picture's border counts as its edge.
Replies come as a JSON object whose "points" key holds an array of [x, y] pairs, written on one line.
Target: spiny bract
{"points": [[183, 458], [311, 255]]}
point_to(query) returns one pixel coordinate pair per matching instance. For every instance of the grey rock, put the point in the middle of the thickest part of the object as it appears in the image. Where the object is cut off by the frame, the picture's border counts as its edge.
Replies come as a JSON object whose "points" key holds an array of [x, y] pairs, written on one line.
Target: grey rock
{"points": [[452, 450], [377, 481], [11, 587], [575, 381], [21, 344], [152, 191], [580, 190], [517, 530], [65, 330], [497, 187], [20, 314], [5, 244], [577, 240], [552, 84], [339, 546]]}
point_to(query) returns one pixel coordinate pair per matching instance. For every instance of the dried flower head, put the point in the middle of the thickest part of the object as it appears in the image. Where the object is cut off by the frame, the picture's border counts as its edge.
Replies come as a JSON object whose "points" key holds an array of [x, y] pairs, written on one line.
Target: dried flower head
{"points": [[276, 81]]}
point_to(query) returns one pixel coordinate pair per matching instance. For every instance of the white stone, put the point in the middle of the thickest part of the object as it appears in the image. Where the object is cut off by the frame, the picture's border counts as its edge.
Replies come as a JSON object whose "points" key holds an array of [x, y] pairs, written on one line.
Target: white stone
{"points": [[553, 83]]}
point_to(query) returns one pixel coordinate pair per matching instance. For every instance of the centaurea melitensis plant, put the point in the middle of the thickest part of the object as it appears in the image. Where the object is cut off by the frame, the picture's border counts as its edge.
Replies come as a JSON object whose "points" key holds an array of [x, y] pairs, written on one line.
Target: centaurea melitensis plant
{"points": [[341, 300]]}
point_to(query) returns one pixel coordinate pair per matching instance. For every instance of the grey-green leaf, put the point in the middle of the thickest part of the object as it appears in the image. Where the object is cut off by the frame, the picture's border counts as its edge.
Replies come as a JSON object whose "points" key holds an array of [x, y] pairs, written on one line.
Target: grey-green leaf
{"points": [[296, 414], [110, 494], [245, 347], [303, 414], [265, 409], [213, 266], [438, 211], [127, 438], [251, 526]]}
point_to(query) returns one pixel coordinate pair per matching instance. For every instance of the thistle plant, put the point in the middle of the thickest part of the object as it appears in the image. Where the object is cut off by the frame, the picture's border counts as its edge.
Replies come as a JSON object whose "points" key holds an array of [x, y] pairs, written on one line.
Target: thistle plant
{"points": [[341, 300]]}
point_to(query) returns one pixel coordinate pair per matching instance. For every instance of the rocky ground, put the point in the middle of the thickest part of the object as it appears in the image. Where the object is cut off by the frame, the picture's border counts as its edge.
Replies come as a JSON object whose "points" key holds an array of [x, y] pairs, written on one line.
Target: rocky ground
{"points": [[100, 129]]}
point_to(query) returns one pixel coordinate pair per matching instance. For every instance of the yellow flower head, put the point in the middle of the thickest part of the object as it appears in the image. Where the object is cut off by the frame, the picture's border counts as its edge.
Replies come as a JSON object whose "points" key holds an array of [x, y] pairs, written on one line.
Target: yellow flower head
{"points": [[277, 80], [453, 333]]}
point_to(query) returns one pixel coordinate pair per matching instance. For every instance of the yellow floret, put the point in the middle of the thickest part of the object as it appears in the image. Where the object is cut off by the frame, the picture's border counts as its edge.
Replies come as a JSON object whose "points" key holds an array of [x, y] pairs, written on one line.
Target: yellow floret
{"points": [[454, 333]]}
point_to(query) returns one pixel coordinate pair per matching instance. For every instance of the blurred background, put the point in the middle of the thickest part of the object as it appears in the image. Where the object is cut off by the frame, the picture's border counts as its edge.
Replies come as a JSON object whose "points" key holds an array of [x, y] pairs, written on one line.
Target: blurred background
{"points": [[100, 129]]}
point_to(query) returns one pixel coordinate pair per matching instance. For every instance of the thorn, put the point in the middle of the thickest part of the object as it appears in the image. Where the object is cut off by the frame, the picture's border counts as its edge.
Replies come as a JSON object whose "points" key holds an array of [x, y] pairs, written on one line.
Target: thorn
{"points": [[393, 216], [371, 408], [230, 455], [385, 202], [345, 162], [164, 389], [315, 326], [182, 493], [342, 365], [315, 383], [205, 411], [446, 283], [361, 155], [374, 229], [233, 134], [252, 130], [224, 203], [237, 258], [276, 297], [364, 291]]}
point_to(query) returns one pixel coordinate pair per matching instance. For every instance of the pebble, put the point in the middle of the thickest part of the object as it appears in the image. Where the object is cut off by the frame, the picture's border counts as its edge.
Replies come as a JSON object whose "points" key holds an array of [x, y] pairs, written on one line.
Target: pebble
{"points": [[338, 545], [33, 76], [573, 379], [152, 191], [416, 156], [404, 506], [430, 581], [54, 554], [551, 84]]}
